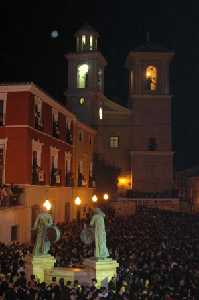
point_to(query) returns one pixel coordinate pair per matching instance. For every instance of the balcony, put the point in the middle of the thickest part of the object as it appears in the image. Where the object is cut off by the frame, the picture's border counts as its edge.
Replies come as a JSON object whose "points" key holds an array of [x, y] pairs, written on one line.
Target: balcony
{"points": [[10, 196], [91, 182], [69, 181], [81, 180], [56, 130], [69, 136], [38, 176], [38, 121], [55, 178]]}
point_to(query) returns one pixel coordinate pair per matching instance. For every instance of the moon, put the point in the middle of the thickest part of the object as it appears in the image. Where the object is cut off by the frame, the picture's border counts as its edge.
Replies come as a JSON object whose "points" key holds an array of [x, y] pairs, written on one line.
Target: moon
{"points": [[54, 34]]}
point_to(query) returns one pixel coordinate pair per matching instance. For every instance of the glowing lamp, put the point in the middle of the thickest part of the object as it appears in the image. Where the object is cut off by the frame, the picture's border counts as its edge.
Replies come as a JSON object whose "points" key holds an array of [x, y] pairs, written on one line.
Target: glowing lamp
{"points": [[106, 196], [47, 205], [94, 198], [77, 201]]}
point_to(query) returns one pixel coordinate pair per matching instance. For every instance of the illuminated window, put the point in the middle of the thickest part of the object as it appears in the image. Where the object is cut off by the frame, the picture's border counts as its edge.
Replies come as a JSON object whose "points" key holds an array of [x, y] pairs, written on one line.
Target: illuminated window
{"points": [[82, 76], [114, 142], [151, 78], [82, 100], [91, 42], [100, 113], [83, 41]]}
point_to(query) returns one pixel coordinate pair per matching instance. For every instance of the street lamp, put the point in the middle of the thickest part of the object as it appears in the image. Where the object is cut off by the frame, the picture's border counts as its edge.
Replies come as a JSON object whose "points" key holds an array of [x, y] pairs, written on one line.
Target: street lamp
{"points": [[94, 198], [47, 205], [77, 201], [106, 196]]}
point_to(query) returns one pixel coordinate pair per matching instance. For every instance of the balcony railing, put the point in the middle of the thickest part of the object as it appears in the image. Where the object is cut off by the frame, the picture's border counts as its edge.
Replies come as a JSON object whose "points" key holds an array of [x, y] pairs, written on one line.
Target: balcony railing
{"points": [[38, 176], [69, 180], [56, 130], [55, 178], [10, 196], [69, 136], [92, 182], [81, 180]]}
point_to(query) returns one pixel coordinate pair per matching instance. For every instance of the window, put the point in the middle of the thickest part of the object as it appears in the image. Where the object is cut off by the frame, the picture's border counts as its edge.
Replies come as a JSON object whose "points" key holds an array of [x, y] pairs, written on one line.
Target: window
{"points": [[80, 136], [38, 113], [152, 145], [91, 42], [151, 78], [131, 80], [114, 142], [14, 233], [82, 76], [83, 41], [3, 99], [1, 112], [82, 100], [100, 113]]}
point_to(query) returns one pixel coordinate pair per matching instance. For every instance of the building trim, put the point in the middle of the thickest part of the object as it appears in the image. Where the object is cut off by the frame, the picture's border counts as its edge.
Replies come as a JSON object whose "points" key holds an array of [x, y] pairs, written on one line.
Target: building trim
{"points": [[34, 89], [41, 132], [153, 153]]}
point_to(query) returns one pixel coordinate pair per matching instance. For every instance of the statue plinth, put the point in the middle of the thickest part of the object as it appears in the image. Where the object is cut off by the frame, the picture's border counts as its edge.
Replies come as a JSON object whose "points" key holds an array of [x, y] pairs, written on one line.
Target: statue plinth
{"points": [[101, 269], [37, 265]]}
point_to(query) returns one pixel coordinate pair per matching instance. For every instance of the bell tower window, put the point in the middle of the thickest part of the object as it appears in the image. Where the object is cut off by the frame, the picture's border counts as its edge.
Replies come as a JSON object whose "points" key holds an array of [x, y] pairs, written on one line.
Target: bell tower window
{"points": [[83, 42], [82, 76], [91, 42], [151, 78]]}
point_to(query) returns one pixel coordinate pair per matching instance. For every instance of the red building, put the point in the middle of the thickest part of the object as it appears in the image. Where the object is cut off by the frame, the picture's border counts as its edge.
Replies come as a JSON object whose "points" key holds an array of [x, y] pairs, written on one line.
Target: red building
{"points": [[46, 150]]}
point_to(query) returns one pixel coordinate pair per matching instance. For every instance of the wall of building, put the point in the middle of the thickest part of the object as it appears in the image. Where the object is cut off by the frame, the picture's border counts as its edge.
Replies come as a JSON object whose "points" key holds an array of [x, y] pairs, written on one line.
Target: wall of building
{"points": [[19, 216]]}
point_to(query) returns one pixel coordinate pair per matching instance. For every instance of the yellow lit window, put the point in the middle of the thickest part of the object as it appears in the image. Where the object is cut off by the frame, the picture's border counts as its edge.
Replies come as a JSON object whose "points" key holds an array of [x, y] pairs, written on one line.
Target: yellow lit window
{"points": [[83, 39], [91, 42], [82, 76], [82, 100], [114, 142], [100, 113], [151, 78]]}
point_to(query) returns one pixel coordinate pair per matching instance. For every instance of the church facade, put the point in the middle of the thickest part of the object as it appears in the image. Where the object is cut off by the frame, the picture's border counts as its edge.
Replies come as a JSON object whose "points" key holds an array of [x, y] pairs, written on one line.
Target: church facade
{"points": [[136, 139]]}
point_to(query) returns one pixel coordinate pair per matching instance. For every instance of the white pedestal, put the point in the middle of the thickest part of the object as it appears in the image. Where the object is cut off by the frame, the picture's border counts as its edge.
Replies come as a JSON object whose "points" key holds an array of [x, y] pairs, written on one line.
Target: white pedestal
{"points": [[102, 270], [37, 265]]}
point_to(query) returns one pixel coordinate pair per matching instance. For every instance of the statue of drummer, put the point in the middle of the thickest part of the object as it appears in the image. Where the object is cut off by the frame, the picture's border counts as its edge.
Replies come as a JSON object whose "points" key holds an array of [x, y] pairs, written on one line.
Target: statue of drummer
{"points": [[46, 232]]}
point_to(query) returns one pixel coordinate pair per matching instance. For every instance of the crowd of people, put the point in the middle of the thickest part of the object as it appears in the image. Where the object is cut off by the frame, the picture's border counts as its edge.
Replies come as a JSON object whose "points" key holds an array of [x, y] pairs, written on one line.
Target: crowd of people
{"points": [[157, 252]]}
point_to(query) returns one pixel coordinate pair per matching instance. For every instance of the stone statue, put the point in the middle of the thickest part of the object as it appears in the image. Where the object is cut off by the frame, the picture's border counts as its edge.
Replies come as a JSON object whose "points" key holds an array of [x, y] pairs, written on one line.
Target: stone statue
{"points": [[101, 251], [44, 228]]}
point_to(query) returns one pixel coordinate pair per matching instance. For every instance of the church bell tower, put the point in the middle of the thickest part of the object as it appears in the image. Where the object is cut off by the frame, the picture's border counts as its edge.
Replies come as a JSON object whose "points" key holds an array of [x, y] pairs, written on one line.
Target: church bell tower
{"points": [[86, 77], [150, 103]]}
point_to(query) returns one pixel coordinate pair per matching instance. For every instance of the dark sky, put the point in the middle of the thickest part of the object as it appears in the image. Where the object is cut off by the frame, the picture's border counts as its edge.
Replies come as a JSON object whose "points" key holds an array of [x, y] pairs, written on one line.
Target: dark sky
{"points": [[29, 53]]}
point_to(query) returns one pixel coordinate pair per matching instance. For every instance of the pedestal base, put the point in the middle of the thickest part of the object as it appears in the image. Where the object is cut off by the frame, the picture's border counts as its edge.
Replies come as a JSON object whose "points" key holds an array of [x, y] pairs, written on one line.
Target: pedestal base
{"points": [[37, 265], [102, 270]]}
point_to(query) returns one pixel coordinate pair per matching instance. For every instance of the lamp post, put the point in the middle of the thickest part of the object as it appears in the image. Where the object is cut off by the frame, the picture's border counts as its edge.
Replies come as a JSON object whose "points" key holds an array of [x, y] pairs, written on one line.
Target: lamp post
{"points": [[94, 198], [77, 202], [106, 196], [47, 205]]}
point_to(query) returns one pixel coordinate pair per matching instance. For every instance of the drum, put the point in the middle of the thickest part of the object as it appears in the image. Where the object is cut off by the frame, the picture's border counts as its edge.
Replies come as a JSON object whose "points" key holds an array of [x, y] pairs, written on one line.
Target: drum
{"points": [[87, 236], [53, 233]]}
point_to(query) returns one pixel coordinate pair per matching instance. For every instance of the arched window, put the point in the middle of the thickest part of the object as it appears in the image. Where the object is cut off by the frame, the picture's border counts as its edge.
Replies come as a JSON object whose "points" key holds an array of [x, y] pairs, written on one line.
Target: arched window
{"points": [[151, 78], [82, 76]]}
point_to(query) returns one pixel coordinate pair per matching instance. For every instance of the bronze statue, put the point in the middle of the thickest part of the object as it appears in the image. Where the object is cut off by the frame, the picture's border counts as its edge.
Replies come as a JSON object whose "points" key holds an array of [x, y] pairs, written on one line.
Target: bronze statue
{"points": [[46, 232], [101, 251]]}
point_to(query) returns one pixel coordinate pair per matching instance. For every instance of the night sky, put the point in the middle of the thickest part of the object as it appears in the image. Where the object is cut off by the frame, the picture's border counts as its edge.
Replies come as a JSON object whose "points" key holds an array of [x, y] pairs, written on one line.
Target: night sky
{"points": [[28, 52]]}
